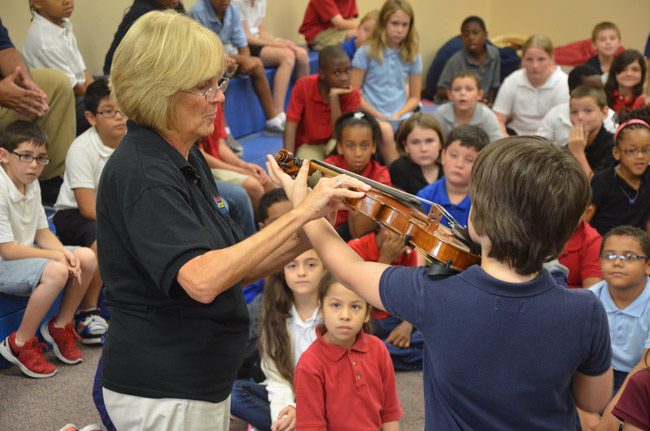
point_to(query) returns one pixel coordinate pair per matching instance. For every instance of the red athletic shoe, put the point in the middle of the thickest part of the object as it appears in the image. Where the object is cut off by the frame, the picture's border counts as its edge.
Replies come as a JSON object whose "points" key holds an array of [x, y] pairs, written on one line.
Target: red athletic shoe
{"points": [[63, 341], [29, 357]]}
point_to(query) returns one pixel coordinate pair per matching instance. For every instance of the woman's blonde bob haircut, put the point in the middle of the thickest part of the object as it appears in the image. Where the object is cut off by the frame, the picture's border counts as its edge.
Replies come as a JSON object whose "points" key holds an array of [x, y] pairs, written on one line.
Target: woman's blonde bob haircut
{"points": [[162, 53]]}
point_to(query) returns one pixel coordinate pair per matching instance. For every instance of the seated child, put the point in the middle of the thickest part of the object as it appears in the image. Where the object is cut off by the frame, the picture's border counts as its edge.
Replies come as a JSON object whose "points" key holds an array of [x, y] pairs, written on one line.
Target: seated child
{"points": [[621, 194], [606, 40], [226, 166], [633, 407], [357, 134], [420, 139], [527, 94], [624, 86], [589, 142], [33, 262], [224, 19], [466, 108], [75, 218], [581, 256], [366, 27], [625, 294], [288, 327], [461, 148], [51, 43], [317, 101], [345, 379], [329, 22], [273, 51], [557, 121], [404, 343], [478, 57], [388, 71]]}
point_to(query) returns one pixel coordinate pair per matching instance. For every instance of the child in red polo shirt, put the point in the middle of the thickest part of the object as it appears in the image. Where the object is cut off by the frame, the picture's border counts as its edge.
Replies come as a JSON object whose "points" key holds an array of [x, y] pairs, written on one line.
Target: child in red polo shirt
{"points": [[581, 255], [317, 101], [329, 22], [404, 343], [357, 137], [345, 379]]}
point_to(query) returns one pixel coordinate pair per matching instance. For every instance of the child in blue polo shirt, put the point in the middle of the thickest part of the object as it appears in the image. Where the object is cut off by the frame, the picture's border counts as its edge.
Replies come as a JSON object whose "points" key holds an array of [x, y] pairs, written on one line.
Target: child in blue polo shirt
{"points": [[625, 294], [452, 190]]}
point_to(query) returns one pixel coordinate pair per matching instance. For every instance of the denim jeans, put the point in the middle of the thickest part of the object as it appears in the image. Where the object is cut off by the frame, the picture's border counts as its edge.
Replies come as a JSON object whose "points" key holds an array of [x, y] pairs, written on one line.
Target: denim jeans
{"points": [[408, 359], [239, 206], [250, 402]]}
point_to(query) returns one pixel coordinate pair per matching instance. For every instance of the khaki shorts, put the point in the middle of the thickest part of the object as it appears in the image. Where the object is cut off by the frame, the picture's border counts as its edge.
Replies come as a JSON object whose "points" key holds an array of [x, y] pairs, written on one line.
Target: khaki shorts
{"points": [[315, 152], [331, 36], [128, 412], [230, 177]]}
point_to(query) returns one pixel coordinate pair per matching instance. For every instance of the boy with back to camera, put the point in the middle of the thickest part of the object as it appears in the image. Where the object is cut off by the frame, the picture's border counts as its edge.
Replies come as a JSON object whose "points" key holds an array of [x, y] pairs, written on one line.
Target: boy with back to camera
{"points": [[75, 218], [478, 56], [461, 148], [33, 262], [606, 40], [512, 350], [625, 294], [317, 101]]}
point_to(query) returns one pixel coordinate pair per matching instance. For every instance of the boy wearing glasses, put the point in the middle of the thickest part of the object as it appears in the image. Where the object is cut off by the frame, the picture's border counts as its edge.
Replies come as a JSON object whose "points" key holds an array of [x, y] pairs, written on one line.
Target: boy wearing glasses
{"points": [[625, 294], [75, 217], [33, 262]]}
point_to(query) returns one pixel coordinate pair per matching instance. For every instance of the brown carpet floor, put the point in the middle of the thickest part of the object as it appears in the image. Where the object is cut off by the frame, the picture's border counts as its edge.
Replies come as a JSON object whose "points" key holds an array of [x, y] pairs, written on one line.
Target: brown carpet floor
{"points": [[48, 404]]}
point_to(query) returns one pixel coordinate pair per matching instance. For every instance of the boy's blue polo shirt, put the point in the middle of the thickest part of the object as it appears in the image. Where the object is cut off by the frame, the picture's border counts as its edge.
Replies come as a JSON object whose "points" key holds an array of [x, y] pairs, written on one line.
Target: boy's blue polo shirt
{"points": [[629, 328], [230, 30], [499, 355], [437, 193]]}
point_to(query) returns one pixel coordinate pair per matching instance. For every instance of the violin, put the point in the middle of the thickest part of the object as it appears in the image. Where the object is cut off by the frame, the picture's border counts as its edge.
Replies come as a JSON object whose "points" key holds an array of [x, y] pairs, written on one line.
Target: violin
{"points": [[447, 250]]}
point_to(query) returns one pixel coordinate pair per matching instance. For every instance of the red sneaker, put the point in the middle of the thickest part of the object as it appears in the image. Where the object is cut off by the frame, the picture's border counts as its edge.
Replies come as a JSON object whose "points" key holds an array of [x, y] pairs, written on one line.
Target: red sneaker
{"points": [[63, 341], [29, 357]]}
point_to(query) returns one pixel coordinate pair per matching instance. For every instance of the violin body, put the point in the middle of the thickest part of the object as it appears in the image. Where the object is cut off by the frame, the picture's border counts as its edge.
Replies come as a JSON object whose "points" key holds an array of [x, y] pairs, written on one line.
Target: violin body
{"points": [[418, 230]]}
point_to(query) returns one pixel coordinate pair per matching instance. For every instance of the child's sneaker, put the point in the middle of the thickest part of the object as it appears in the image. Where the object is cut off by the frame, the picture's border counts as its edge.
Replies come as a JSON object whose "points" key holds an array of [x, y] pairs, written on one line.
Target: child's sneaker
{"points": [[29, 358], [91, 326], [63, 341], [274, 126]]}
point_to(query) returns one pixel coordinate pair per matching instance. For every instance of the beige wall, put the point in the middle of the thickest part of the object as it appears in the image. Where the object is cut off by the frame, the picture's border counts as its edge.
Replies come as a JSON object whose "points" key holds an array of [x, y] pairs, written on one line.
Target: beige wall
{"points": [[95, 21]]}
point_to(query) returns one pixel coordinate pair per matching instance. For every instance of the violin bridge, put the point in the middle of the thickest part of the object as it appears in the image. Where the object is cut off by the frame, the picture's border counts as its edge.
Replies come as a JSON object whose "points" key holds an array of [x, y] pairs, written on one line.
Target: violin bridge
{"points": [[435, 214]]}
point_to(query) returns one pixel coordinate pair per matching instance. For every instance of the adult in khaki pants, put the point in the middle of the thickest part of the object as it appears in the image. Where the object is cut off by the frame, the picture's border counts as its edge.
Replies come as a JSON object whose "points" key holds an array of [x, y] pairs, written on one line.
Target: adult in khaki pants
{"points": [[40, 95]]}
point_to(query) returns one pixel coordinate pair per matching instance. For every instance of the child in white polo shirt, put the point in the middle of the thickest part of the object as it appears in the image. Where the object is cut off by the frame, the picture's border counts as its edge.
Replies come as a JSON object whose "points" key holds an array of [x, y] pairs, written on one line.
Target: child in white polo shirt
{"points": [[75, 217], [33, 262]]}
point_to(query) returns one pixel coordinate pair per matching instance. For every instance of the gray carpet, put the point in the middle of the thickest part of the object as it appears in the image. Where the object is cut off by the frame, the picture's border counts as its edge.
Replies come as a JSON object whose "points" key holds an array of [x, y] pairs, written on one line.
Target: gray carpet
{"points": [[48, 404]]}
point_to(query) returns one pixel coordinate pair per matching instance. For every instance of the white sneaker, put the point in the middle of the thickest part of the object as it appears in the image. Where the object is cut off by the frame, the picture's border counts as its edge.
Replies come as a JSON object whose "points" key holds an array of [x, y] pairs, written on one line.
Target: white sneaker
{"points": [[91, 326], [274, 125]]}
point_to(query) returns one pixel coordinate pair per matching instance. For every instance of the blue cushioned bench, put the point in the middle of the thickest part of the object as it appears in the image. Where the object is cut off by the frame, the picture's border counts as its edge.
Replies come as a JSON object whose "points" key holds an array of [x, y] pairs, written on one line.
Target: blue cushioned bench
{"points": [[243, 111]]}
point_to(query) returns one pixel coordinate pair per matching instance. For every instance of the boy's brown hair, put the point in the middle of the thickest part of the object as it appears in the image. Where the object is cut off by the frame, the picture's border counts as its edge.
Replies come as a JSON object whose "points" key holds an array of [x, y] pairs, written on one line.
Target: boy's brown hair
{"points": [[605, 25], [468, 136], [465, 74], [641, 236], [22, 131], [528, 196], [596, 94]]}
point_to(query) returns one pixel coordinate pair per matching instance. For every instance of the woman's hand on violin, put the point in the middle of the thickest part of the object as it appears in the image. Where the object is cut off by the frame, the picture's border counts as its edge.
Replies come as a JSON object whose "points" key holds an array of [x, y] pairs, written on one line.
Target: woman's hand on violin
{"points": [[329, 193], [401, 335]]}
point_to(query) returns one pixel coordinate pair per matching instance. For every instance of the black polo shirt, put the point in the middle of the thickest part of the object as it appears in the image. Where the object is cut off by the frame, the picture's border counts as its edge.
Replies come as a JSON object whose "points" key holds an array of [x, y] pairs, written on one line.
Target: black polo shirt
{"points": [[155, 212], [5, 41], [599, 152], [617, 203], [407, 175]]}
